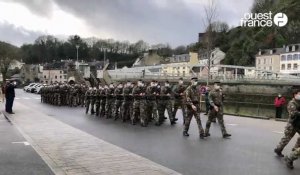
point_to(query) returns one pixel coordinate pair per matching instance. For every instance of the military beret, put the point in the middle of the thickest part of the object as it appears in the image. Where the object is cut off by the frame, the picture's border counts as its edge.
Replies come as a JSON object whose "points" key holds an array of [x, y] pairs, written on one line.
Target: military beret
{"points": [[194, 78], [180, 78]]}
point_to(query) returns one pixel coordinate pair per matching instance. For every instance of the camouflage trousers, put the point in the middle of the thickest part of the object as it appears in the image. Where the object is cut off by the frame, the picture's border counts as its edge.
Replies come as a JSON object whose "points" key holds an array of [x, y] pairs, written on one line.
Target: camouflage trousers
{"points": [[179, 103], [164, 105], [118, 104], [295, 154], [212, 115], [289, 132], [57, 99], [139, 109], [63, 99], [109, 106], [72, 101], [93, 101], [82, 102], [97, 103], [126, 110], [152, 110], [102, 107], [87, 105], [189, 116]]}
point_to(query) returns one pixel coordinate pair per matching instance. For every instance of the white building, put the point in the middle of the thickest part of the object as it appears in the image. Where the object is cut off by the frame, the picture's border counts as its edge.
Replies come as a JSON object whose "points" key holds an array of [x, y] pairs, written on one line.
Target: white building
{"points": [[216, 57], [15, 64], [290, 60], [53, 76]]}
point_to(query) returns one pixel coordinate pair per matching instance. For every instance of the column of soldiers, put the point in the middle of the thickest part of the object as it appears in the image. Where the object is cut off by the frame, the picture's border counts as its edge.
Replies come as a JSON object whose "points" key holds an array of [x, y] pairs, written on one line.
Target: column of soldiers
{"points": [[64, 94], [141, 103]]}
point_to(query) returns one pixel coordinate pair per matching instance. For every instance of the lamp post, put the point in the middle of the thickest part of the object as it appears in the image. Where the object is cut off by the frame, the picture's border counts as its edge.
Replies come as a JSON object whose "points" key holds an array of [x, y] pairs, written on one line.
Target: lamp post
{"points": [[77, 47]]}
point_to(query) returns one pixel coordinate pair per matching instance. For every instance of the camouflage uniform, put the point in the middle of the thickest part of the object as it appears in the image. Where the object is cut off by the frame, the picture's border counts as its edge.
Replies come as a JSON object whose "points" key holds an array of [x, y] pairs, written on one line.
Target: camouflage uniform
{"points": [[139, 106], [127, 103], [57, 101], [83, 90], [98, 101], [93, 101], [87, 100], [289, 131], [192, 98], [102, 102], [151, 103], [118, 102], [109, 105], [164, 103], [179, 100], [215, 98]]}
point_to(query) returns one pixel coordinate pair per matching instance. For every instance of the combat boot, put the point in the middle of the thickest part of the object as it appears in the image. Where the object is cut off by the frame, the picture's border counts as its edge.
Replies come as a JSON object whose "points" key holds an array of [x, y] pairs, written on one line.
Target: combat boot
{"points": [[226, 135], [202, 136], [207, 134], [185, 133], [278, 152], [289, 162]]}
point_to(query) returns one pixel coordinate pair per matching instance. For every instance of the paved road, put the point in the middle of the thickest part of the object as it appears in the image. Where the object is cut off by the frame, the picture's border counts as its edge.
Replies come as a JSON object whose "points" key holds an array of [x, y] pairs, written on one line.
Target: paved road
{"points": [[250, 151], [17, 157]]}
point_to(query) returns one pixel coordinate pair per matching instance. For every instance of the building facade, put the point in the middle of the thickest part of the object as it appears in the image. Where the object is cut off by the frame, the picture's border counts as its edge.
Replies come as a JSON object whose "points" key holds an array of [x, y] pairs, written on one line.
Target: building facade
{"points": [[290, 60], [268, 59], [54, 76]]}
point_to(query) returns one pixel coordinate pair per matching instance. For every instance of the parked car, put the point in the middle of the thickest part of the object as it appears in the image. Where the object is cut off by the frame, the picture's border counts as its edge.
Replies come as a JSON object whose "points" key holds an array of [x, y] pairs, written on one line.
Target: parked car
{"points": [[28, 87], [33, 88], [37, 89]]}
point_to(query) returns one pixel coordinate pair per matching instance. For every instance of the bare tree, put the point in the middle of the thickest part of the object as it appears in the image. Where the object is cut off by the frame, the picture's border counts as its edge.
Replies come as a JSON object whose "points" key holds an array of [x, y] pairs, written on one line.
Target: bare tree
{"points": [[209, 18]]}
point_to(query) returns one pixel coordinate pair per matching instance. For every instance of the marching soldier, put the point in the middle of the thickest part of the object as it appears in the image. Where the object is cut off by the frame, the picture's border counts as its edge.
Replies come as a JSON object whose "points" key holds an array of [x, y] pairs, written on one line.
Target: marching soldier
{"points": [[98, 100], [109, 101], [151, 101], [216, 102], [127, 103], [289, 131], [119, 99], [87, 100], [193, 107], [294, 122], [93, 100], [165, 103], [179, 99], [103, 100], [139, 103]]}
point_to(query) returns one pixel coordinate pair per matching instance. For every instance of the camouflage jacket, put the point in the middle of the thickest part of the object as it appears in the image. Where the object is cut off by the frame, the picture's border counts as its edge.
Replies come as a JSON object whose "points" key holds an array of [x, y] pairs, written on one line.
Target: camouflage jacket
{"points": [[192, 95], [215, 98], [293, 108], [119, 93], [151, 93], [178, 90], [139, 92], [164, 93], [127, 93]]}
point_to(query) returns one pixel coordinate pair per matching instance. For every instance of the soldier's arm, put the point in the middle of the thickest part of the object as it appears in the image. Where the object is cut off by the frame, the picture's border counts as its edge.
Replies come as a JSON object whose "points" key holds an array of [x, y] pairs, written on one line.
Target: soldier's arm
{"points": [[210, 99], [188, 97], [292, 109]]}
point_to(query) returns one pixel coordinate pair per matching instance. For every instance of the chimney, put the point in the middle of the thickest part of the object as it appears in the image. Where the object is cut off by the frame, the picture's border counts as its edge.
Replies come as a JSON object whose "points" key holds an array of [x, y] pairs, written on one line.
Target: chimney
{"points": [[259, 52]]}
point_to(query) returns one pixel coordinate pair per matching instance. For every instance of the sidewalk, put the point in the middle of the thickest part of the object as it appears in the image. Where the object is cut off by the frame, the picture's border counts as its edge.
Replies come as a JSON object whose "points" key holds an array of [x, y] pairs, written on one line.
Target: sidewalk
{"points": [[68, 150], [17, 157]]}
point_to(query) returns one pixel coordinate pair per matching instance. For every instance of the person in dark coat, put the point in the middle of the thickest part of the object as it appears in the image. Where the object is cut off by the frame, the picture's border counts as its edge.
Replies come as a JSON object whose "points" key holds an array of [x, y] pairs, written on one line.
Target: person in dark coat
{"points": [[10, 96]]}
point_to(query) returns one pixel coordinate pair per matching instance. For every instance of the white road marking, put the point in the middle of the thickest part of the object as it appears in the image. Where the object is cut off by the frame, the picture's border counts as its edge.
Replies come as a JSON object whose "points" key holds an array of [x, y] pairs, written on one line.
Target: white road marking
{"points": [[17, 98], [37, 98], [278, 132], [232, 124], [25, 143], [26, 98]]}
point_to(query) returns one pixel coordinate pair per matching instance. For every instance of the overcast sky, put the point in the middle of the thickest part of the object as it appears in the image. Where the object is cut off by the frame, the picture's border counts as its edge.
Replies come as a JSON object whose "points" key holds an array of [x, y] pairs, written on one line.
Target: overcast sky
{"points": [[176, 22]]}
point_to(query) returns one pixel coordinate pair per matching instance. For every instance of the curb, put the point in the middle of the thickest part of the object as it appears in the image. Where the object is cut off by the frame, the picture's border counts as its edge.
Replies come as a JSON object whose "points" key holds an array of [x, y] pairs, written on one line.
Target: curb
{"points": [[51, 164], [254, 117]]}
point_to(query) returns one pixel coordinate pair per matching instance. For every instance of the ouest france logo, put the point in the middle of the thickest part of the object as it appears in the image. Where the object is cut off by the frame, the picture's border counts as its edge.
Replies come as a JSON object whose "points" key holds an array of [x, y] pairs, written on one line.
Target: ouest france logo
{"points": [[264, 20]]}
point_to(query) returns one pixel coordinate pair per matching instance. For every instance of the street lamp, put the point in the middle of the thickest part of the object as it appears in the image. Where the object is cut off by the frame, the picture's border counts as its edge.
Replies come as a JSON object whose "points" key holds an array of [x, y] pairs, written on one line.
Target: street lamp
{"points": [[77, 64]]}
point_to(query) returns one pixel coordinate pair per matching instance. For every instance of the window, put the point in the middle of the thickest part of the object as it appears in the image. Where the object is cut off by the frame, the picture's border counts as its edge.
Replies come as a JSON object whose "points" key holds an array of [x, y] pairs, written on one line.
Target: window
{"points": [[183, 68], [60, 72], [65, 77], [45, 76], [258, 61], [264, 68], [60, 77], [46, 82], [289, 66], [293, 49], [283, 58], [271, 60], [283, 67], [55, 77], [270, 68], [264, 61], [295, 66], [295, 57], [289, 58]]}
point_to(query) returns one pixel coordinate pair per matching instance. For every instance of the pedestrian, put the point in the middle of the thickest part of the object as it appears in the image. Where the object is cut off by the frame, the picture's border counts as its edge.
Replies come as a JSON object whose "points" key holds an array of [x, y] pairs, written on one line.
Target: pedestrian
{"points": [[10, 96], [279, 102], [294, 119], [2, 94], [215, 98], [193, 107], [289, 130]]}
